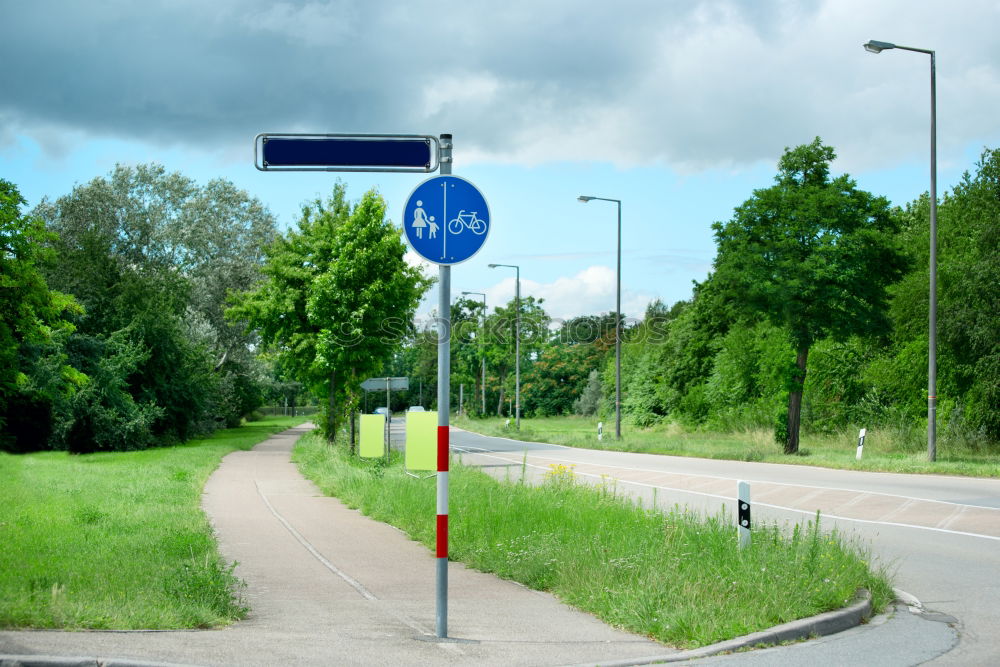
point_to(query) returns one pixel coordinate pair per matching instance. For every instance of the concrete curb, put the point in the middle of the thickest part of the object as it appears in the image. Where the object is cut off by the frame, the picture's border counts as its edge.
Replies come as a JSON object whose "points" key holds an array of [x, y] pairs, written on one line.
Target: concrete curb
{"points": [[827, 623], [58, 661]]}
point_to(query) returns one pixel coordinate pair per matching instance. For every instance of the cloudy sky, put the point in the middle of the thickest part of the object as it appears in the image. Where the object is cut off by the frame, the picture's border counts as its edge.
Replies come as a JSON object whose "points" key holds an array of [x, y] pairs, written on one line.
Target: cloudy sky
{"points": [[679, 109]]}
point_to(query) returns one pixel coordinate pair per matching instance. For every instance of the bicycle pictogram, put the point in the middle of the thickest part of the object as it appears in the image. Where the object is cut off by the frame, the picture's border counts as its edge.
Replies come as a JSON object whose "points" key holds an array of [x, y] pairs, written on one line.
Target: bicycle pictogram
{"points": [[469, 220]]}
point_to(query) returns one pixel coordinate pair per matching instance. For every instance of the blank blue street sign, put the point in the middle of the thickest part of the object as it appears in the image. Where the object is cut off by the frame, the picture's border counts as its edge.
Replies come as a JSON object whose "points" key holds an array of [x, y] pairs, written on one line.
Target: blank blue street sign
{"points": [[339, 152], [446, 220]]}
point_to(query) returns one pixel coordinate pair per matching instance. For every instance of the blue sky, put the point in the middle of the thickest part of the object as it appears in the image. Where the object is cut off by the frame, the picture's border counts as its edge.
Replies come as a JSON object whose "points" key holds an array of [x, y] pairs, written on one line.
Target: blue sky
{"points": [[679, 109]]}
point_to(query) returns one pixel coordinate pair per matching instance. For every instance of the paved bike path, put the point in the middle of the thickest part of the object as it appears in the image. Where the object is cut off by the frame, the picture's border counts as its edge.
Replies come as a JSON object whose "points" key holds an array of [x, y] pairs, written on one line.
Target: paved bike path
{"points": [[330, 586]]}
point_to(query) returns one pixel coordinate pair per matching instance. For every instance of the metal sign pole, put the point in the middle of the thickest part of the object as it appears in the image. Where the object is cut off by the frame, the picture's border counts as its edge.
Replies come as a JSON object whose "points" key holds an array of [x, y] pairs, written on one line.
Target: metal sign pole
{"points": [[444, 391], [388, 417]]}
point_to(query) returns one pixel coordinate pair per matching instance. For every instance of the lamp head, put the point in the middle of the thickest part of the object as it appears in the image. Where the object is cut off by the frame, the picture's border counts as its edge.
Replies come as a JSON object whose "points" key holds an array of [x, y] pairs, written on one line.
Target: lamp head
{"points": [[878, 47], [492, 266], [584, 198]]}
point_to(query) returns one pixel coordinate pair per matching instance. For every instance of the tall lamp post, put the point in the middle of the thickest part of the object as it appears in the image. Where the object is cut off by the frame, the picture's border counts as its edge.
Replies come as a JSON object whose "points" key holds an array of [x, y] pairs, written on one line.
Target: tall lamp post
{"points": [[517, 342], [877, 47], [618, 319], [482, 353]]}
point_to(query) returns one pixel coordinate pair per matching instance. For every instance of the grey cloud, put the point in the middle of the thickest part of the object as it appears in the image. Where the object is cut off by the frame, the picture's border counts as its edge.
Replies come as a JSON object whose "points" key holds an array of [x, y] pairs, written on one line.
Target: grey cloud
{"points": [[717, 82]]}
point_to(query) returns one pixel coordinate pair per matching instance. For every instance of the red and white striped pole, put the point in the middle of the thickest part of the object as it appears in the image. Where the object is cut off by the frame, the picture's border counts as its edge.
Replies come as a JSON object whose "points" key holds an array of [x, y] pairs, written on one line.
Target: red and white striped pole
{"points": [[443, 406]]}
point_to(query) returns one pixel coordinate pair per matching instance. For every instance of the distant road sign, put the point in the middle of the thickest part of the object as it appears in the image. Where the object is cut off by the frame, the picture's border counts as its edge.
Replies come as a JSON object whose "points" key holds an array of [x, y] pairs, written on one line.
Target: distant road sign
{"points": [[346, 152], [378, 384], [446, 219]]}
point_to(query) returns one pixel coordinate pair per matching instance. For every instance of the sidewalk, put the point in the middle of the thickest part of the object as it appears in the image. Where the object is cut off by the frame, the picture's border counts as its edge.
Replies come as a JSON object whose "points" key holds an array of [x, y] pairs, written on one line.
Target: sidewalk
{"points": [[329, 586]]}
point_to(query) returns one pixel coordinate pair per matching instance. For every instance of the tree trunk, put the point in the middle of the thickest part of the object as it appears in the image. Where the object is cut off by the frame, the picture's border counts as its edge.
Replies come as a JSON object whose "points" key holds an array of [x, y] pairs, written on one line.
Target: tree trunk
{"points": [[353, 411], [500, 400], [331, 422], [795, 402]]}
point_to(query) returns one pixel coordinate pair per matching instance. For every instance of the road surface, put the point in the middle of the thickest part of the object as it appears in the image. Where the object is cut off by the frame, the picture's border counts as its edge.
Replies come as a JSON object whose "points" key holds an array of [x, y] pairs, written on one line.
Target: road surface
{"points": [[940, 534]]}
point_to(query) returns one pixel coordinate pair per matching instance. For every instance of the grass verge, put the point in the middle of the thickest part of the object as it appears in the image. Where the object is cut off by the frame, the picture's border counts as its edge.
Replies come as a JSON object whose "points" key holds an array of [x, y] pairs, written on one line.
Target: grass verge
{"points": [[117, 540], [883, 451], [667, 574]]}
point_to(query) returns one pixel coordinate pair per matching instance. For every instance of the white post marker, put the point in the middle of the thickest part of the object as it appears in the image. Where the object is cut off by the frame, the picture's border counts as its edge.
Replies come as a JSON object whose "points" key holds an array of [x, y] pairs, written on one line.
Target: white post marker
{"points": [[743, 513], [600, 430], [861, 442]]}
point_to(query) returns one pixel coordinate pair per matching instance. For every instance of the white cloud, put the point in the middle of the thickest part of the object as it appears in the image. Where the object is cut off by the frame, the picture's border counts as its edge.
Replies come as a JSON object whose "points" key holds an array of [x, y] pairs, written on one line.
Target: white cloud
{"points": [[589, 292]]}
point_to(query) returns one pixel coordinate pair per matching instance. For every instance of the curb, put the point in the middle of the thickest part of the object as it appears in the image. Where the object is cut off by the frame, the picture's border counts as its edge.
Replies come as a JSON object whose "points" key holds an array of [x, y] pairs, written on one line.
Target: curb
{"points": [[59, 661], [827, 623]]}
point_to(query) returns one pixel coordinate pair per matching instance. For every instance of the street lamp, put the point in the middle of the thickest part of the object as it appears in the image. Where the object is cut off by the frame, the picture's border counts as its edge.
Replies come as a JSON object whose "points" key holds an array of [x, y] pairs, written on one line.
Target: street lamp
{"points": [[517, 342], [877, 47], [482, 352], [618, 319]]}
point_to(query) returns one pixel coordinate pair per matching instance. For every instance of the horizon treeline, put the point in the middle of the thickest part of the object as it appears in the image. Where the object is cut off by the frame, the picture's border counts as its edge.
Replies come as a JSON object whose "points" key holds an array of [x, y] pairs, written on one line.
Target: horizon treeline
{"points": [[142, 309], [728, 358]]}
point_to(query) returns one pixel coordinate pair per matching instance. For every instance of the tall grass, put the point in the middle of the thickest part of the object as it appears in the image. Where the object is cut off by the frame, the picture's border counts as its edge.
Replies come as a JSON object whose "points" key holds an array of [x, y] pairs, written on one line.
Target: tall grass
{"points": [[671, 575], [117, 540], [900, 448]]}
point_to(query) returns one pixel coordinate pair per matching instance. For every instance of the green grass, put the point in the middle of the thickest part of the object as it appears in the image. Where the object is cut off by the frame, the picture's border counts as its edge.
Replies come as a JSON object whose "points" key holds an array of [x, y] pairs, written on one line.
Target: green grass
{"points": [[884, 450], [670, 575], [117, 540]]}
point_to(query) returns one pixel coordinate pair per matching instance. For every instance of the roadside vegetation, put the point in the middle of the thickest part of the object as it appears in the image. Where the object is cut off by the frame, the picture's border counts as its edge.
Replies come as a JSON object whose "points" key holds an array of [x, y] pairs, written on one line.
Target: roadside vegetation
{"points": [[112, 327], [811, 325], [671, 575], [117, 540], [885, 449]]}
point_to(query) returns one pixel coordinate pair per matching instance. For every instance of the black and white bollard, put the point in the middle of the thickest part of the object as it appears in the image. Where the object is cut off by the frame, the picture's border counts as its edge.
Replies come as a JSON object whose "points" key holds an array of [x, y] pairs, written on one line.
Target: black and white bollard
{"points": [[743, 513], [861, 443], [600, 430]]}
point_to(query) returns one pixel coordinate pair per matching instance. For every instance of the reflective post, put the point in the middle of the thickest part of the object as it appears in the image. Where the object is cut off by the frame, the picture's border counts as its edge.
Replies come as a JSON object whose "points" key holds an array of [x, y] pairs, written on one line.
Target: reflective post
{"points": [[444, 404]]}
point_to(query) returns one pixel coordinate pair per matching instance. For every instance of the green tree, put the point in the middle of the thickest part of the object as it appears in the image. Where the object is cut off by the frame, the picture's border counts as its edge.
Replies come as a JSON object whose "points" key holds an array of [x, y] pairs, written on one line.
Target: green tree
{"points": [[150, 254], [337, 298], [33, 324], [968, 309], [500, 343], [467, 350], [814, 255], [369, 295], [277, 308], [558, 377]]}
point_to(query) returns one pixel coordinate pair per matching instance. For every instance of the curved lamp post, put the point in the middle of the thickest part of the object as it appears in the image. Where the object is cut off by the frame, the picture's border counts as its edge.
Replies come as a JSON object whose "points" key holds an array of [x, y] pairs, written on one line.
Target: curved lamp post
{"points": [[618, 319], [874, 46]]}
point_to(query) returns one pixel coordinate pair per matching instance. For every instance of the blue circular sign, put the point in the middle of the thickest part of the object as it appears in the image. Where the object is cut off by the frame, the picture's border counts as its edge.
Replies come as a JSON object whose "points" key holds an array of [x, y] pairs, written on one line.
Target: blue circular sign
{"points": [[446, 219]]}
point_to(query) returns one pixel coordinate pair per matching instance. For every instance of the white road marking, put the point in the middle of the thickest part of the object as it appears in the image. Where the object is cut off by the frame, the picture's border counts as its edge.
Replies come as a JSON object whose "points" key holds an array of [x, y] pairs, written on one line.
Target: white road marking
{"points": [[759, 504]]}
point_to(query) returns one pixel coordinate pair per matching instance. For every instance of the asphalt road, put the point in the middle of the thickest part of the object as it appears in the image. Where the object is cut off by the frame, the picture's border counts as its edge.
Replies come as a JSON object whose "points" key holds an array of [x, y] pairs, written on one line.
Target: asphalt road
{"points": [[940, 534]]}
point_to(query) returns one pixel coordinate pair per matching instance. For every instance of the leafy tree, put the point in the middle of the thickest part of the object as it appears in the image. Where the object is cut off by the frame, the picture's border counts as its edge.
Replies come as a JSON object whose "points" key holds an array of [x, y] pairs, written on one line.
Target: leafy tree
{"points": [[557, 378], [369, 294], [277, 308], [597, 329], [33, 325], [150, 254], [968, 309], [467, 349], [814, 255], [500, 343], [337, 299]]}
